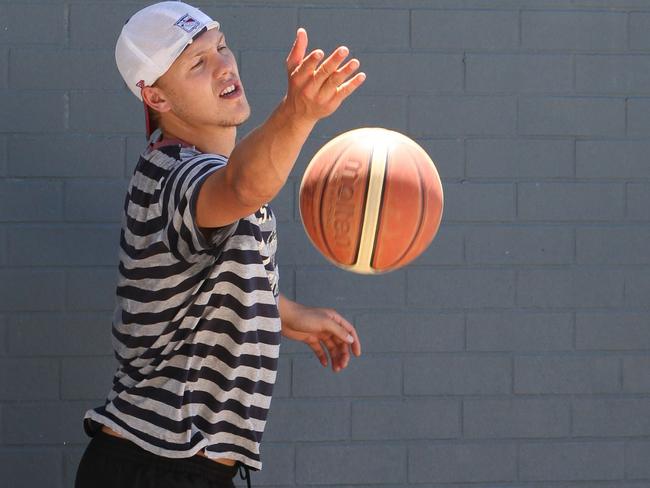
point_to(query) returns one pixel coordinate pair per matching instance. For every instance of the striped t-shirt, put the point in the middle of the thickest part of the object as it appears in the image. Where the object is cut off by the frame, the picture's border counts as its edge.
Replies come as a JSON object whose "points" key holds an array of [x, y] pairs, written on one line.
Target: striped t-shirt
{"points": [[196, 327]]}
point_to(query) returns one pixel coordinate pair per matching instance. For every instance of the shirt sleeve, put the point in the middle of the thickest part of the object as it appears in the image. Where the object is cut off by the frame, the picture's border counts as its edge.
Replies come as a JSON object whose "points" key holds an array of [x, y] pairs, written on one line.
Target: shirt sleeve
{"points": [[180, 191]]}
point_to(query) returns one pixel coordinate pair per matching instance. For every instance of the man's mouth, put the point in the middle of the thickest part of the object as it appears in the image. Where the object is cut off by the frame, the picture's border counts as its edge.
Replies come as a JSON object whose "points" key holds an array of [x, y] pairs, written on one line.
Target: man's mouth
{"points": [[230, 91]]}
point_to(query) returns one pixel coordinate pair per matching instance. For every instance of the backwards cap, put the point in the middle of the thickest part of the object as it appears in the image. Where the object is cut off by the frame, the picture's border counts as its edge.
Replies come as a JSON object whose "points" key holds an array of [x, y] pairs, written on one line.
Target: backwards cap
{"points": [[152, 39]]}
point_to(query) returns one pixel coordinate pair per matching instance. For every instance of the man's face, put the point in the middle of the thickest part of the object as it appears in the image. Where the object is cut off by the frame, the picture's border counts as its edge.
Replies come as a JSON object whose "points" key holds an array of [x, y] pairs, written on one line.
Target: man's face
{"points": [[198, 85]]}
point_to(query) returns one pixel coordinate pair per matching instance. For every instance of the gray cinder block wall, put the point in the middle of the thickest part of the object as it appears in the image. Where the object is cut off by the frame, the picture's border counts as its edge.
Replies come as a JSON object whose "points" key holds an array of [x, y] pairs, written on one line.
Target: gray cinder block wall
{"points": [[513, 353]]}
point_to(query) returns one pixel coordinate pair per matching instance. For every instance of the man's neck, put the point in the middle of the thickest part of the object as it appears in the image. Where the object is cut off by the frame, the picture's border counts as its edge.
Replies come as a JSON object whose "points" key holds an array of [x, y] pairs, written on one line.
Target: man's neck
{"points": [[213, 140]]}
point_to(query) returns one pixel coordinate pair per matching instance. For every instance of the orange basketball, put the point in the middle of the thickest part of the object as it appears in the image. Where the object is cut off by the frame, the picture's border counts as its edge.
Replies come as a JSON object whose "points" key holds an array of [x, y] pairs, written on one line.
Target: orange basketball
{"points": [[371, 200]]}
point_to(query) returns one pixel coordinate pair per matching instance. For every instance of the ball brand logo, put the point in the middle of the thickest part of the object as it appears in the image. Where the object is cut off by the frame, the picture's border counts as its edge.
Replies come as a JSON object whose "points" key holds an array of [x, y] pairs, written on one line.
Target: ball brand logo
{"points": [[187, 23], [344, 205]]}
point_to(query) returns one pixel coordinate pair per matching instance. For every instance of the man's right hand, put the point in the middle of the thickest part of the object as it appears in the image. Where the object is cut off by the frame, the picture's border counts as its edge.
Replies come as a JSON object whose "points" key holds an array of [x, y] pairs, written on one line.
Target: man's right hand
{"points": [[316, 91]]}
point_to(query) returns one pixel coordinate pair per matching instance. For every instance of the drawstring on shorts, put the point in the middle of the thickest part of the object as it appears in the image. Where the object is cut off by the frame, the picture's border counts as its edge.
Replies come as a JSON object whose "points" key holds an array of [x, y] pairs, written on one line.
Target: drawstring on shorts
{"points": [[247, 476]]}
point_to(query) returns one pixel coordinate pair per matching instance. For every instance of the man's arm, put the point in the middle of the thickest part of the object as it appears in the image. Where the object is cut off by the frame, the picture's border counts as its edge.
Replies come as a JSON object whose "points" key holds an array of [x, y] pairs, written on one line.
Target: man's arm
{"points": [[260, 164]]}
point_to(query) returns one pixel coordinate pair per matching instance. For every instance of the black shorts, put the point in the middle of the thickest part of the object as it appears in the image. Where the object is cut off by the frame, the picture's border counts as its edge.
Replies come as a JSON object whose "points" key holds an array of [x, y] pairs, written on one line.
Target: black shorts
{"points": [[113, 462]]}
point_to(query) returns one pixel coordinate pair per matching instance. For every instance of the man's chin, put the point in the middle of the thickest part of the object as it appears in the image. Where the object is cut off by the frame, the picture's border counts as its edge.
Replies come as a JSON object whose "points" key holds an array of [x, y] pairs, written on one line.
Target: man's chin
{"points": [[235, 120]]}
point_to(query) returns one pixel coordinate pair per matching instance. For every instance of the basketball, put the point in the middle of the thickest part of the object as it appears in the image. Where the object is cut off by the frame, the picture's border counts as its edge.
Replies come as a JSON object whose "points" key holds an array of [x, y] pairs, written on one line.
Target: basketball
{"points": [[371, 200]]}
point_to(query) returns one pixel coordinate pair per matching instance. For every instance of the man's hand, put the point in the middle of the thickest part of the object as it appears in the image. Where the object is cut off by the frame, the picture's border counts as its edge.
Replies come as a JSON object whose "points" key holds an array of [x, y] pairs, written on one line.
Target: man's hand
{"points": [[314, 91], [322, 329]]}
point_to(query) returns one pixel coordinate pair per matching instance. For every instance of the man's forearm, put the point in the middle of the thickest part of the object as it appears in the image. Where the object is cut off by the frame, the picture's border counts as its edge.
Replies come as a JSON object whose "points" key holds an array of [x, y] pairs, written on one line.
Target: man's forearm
{"points": [[261, 162], [288, 310]]}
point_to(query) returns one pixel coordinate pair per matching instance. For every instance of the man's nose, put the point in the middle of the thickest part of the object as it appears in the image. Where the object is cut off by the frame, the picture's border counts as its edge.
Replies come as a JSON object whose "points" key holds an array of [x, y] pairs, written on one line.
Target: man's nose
{"points": [[222, 66]]}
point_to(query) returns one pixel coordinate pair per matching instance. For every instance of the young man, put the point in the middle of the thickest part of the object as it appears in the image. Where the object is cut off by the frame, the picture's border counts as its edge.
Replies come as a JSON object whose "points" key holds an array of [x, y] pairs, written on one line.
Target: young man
{"points": [[198, 315]]}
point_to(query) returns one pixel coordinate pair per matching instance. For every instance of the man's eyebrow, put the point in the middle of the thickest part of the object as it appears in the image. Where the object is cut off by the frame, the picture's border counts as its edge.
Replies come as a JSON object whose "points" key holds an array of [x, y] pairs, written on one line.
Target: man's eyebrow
{"points": [[198, 53]]}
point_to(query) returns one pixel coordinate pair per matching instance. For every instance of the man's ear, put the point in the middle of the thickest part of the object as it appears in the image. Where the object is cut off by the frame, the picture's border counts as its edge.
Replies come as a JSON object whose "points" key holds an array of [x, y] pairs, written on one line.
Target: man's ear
{"points": [[155, 98]]}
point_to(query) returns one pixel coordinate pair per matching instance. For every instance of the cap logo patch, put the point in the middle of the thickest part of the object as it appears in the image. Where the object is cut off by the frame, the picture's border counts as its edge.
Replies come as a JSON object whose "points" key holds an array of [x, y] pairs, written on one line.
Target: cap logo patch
{"points": [[187, 23]]}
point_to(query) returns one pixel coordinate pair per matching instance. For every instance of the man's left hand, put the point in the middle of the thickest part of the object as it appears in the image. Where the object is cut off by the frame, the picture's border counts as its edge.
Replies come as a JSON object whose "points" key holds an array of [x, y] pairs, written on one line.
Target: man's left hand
{"points": [[324, 330]]}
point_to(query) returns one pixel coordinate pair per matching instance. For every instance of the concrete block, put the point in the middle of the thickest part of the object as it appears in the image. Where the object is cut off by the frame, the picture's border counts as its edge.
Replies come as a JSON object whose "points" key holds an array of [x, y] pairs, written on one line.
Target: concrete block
{"points": [[613, 245], [283, 203], [87, 377], [332, 287], [65, 69], [4, 68], [566, 375], [446, 248], [571, 116], [30, 200], [47, 25], [120, 112], [635, 374], [244, 29], [361, 110], [86, 32], [519, 331], [561, 202], [364, 376], [68, 246], [638, 201], [571, 461], [519, 158], [59, 334], [464, 29], [464, 375], [637, 287], [638, 120], [479, 202], [295, 247], [571, 288], [408, 418], [467, 462], [308, 420], [410, 332], [91, 288], [519, 245], [447, 154], [66, 156], [264, 71], [436, 116], [26, 467], [3, 336], [29, 379], [612, 331], [636, 459], [278, 466], [612, 159], [411, 72], [519, 73], [460, 288], [3, 157], [573, 30], [71, 459], [32, 111], [639, 26], [615, 74], [52, 422], [355, 464], [516, 418], [31, 290], [81, 203], [610, 417], [382, 30], [135, 145]]}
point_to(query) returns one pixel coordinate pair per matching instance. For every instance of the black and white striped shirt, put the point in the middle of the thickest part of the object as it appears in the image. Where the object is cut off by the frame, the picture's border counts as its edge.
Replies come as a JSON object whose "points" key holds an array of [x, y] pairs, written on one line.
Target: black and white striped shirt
{"points": [[196, 328]]}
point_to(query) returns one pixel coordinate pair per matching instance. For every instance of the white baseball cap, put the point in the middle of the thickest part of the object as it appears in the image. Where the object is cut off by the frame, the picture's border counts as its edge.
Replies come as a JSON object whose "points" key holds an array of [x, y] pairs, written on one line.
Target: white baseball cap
{"points": [[152, 39]]}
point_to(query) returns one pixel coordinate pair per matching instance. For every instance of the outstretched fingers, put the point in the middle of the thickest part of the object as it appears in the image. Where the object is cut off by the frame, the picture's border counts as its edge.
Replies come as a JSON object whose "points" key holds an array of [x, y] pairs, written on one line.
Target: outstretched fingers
{"points": [[298, 50], [346, 89]]}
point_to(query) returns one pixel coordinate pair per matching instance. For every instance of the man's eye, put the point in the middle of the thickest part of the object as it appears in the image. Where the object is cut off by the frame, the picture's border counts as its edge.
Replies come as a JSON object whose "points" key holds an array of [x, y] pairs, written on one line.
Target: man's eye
{"points": [[222, 47], [198, 64]]}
